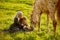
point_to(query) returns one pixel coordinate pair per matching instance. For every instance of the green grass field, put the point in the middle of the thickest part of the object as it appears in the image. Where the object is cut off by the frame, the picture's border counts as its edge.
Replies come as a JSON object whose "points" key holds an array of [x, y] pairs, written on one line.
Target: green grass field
{"points": [[8, 9]]}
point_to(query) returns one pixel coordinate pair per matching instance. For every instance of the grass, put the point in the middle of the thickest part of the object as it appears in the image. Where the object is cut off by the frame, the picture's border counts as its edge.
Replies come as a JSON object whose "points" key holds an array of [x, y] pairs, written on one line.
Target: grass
{"points": [[8, 9]]}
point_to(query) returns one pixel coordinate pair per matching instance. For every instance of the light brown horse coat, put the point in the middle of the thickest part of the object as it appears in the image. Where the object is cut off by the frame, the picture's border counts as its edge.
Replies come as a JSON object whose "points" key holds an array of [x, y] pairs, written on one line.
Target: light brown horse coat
{"points": [[48, 6]]}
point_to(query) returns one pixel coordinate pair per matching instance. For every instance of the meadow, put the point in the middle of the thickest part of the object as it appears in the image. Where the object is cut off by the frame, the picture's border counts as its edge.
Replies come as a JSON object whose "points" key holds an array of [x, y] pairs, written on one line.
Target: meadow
{"points": [[8, 9]]}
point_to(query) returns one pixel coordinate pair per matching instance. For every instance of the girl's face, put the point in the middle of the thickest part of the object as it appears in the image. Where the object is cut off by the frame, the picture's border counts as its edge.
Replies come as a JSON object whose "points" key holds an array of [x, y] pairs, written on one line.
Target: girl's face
{"points": [[23, 21]]}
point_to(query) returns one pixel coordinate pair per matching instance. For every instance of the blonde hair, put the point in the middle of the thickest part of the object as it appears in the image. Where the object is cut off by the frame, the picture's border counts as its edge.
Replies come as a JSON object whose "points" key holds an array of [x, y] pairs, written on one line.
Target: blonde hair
{"points": [[19, 13]]}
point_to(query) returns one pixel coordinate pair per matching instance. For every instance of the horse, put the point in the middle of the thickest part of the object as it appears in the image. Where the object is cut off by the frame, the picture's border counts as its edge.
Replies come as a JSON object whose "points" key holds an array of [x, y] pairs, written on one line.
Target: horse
{"points": [[49, 7]]}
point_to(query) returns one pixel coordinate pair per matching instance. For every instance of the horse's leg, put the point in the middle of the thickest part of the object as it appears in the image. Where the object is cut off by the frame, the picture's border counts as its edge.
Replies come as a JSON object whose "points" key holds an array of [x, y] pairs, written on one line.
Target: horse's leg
{"points": [[54, 21], [48, 30], [39, 19], [48, 22]]}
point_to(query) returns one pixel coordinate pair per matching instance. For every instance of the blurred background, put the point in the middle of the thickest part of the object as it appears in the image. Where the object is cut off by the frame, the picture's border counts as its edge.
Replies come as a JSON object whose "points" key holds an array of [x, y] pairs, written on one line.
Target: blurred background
{"points": [[8, 9]]}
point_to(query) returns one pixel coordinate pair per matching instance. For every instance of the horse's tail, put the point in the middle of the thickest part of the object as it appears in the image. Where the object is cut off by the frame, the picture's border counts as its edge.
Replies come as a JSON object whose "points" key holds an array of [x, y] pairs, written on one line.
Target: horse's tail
{"points": [[58, 11], [58, 14]]}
